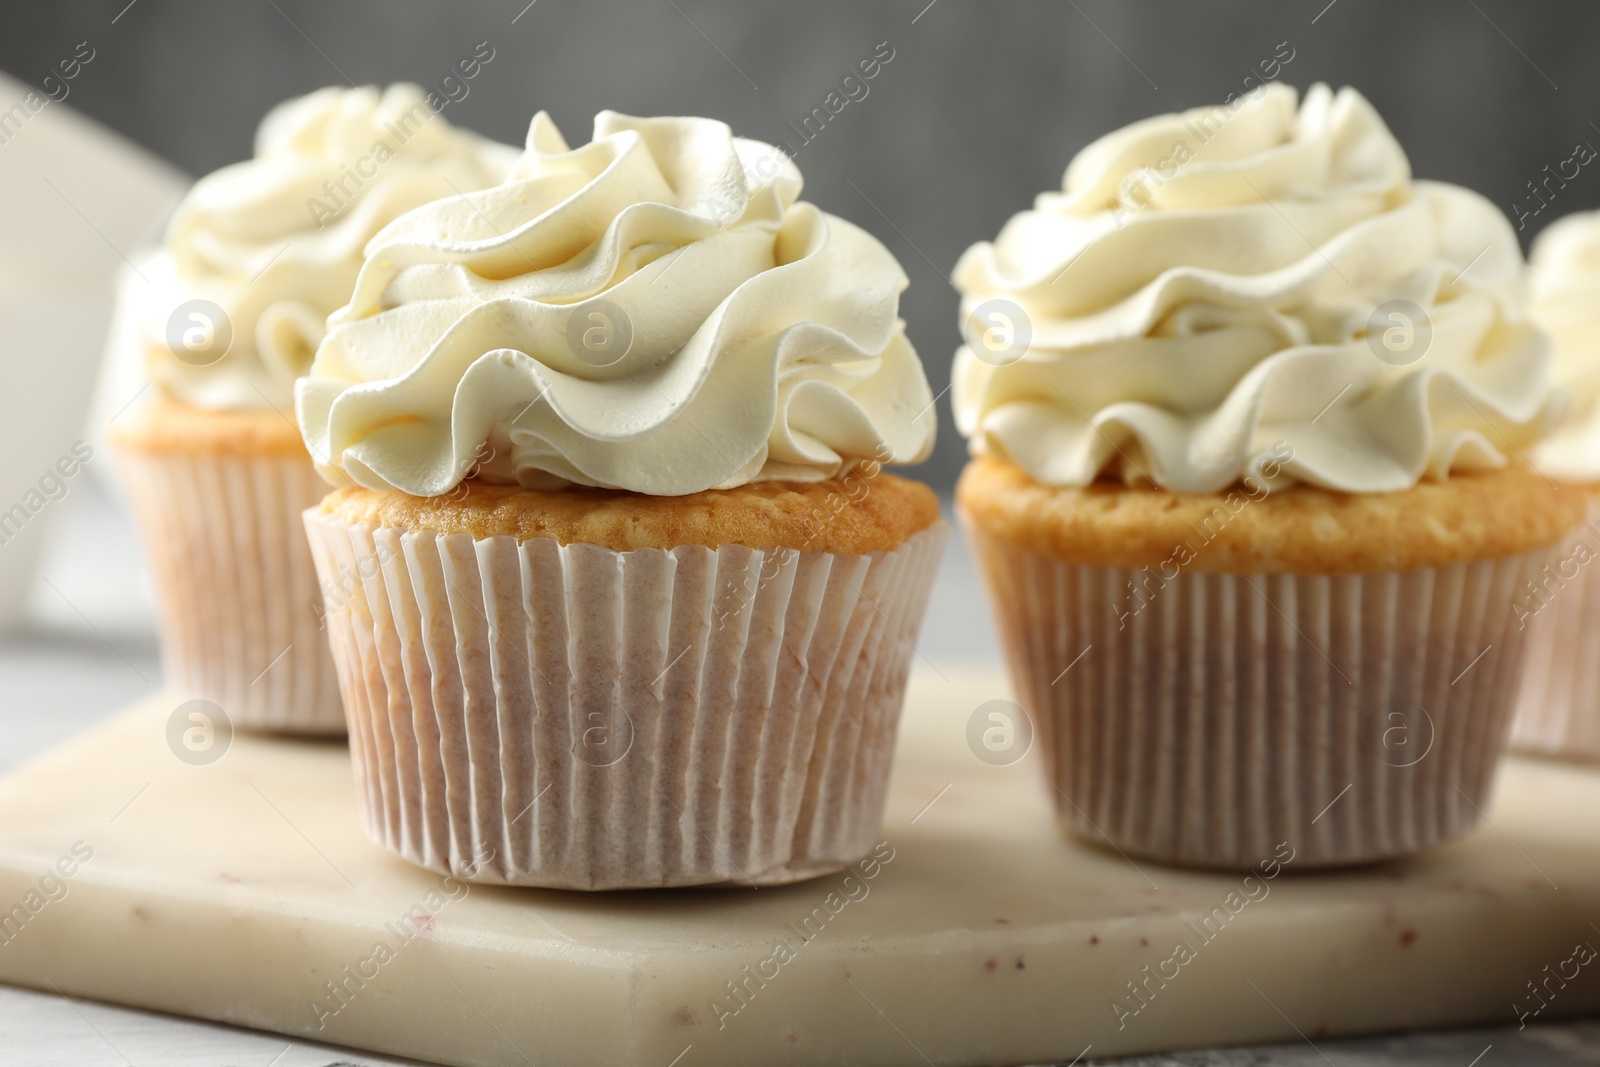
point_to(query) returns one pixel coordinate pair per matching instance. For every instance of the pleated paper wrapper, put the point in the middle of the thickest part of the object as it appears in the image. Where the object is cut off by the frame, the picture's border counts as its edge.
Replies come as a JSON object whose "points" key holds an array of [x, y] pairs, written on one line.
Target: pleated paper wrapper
{"points": [[1559, 713], [236, 587], [528, 713], [1206, 719]]}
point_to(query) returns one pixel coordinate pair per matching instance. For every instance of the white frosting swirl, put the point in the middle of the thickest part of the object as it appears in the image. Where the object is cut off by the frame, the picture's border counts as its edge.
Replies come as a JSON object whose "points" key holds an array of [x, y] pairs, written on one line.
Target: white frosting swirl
{"points": [[276, 241], [1200, 296], [765, 342], [1566, 302]]}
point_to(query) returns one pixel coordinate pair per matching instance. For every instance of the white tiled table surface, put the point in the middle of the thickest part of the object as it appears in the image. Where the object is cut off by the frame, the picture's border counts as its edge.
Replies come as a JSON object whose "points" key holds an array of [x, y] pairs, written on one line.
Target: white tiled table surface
{"points": [[91, 649]]}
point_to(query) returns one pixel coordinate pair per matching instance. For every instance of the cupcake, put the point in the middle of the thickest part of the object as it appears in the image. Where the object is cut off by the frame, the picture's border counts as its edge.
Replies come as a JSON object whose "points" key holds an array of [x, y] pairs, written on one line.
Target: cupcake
{"points": [[1250, 410], [257, 255], [625, 597], [1559, 714]]}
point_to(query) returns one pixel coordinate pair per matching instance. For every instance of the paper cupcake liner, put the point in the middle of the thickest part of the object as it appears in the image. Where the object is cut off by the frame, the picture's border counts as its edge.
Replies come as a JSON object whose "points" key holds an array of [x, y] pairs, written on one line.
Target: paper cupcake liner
{"points": [[236, 588], [1559, 710], [529, 713], [1215, 716]]}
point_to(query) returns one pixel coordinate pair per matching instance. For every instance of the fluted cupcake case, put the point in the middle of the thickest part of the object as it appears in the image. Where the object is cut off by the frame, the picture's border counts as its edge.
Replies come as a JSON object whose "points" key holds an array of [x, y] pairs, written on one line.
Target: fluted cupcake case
{"points": [[1559, 711], [529, 713], [237, 591], [1208, 720]]}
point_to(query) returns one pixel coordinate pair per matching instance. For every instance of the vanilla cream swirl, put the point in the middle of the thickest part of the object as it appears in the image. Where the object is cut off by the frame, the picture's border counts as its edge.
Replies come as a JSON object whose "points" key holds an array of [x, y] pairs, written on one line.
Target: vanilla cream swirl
{"points": [[276, 241], [653, 311], [1216, 290], [1566, 302]]}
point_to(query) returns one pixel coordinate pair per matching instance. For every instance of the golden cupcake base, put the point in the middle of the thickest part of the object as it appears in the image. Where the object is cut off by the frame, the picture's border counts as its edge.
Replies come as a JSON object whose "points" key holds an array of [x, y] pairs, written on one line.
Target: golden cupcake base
{"points": [[1206, 719], [1213, 674], [1558, 714], [595, 719], [217, 497]]}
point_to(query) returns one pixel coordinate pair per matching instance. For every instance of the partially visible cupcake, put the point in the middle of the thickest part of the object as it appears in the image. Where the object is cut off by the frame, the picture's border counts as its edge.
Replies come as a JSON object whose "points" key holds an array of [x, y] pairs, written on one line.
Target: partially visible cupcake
{"points": [[1560, 710], [636, 606], [1249, 407], [257, 255]]}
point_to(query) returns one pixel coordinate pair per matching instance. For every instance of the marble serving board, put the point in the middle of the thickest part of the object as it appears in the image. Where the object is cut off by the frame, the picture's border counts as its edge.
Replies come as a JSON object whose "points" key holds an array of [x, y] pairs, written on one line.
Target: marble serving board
{"points": [[242, 890]]}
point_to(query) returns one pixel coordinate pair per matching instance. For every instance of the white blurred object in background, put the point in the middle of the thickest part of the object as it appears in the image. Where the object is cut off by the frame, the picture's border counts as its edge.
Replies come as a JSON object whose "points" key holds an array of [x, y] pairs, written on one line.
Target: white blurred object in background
{"points": [[122, 381], [76, 202]]}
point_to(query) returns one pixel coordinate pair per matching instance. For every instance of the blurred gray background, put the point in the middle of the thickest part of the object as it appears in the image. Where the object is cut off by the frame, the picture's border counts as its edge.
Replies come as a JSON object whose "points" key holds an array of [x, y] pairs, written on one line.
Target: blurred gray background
{"points": [[981, 107]]}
